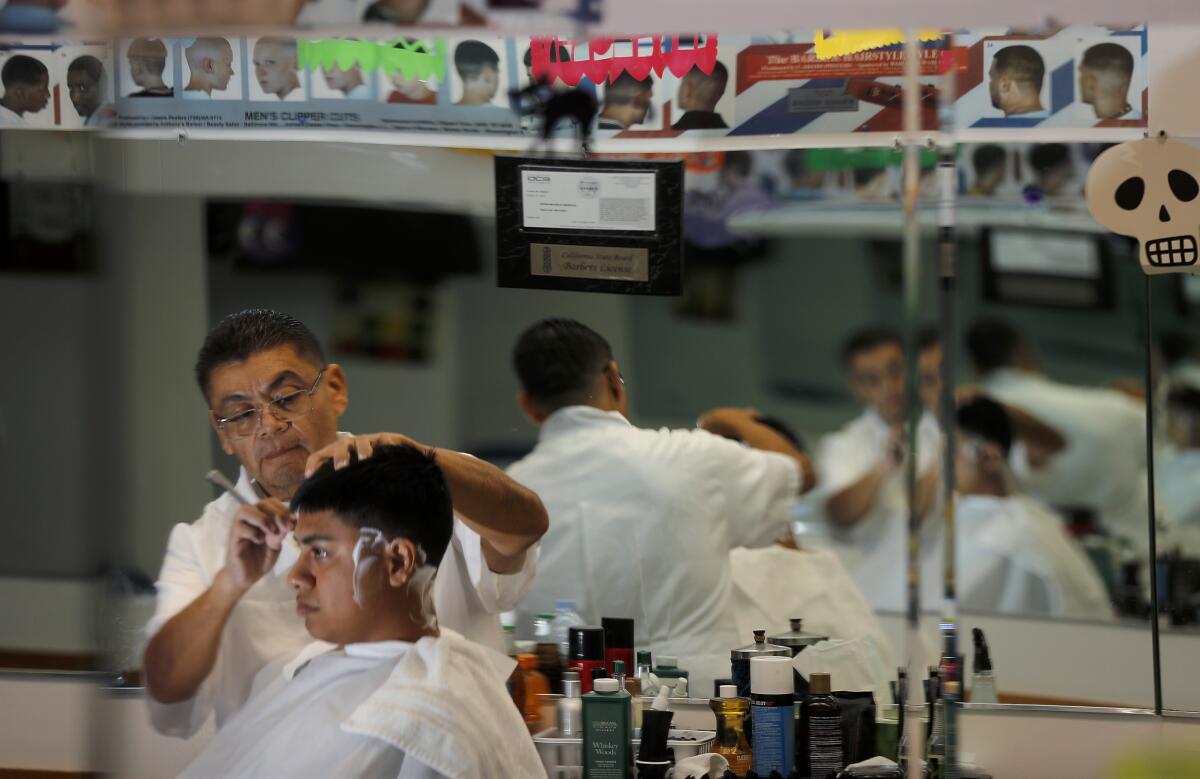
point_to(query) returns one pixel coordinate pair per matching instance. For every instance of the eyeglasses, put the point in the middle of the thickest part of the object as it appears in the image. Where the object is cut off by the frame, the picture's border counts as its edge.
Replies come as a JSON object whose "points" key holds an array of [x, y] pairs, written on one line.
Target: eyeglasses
{"points": [[288, 408]]}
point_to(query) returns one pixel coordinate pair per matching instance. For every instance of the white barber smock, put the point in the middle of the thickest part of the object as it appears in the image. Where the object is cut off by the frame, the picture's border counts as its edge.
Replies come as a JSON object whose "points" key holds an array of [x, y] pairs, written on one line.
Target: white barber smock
{"points": [[1014, 557], [641, 524]]}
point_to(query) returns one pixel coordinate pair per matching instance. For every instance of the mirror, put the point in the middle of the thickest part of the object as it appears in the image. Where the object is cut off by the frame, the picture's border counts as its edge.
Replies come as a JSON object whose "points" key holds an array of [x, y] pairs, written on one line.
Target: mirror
{"points": [[1176, 340]]}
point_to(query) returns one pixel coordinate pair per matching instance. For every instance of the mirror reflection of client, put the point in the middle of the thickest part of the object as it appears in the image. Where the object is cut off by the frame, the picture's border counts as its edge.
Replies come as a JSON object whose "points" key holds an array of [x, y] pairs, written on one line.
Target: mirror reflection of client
{"points": [[26, 89], [395, 11], [383, 691], [1053, 169], [1104, 75], [773, 584], [698, 95], [479, 68], [276, 67], [147, 61], [210, 61], [1015, 80], [415, 89], [1014, 555], [86, 88]]}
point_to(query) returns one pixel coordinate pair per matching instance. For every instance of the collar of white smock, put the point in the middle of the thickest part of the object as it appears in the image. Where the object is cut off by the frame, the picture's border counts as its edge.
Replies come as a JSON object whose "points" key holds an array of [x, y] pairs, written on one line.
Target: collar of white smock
{"points": [[1009, 377], [378, 650], [570, 419]]}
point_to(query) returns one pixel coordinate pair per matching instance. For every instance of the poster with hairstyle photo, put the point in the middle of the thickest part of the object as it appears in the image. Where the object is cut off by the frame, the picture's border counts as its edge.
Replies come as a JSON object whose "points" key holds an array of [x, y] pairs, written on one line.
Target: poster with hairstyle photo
{"points": [[699, 100], [1017, 77], [275, 75], [30, 88], [147, 67], [330, 81], [212, 68], [415, 87], [1111, 77], [87, 99], [478, 72]]}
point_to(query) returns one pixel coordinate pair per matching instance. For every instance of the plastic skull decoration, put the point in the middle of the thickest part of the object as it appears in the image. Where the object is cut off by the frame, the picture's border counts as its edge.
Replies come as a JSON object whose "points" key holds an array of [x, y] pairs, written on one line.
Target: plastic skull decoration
{"points": [[1149, 190]]}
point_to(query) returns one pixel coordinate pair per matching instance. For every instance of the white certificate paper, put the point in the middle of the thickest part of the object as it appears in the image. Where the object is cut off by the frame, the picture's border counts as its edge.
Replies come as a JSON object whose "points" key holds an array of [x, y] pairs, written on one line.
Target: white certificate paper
{"points": [[587, 199]]}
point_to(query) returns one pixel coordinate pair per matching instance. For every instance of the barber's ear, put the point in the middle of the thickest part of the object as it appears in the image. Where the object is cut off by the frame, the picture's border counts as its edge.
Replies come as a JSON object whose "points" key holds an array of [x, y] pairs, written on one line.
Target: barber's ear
{"points": [[400, 555]]}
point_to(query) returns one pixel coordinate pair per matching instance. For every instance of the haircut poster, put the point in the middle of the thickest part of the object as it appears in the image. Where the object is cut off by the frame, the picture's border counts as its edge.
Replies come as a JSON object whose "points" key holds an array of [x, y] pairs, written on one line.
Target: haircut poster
{"points": [[467, 85]]}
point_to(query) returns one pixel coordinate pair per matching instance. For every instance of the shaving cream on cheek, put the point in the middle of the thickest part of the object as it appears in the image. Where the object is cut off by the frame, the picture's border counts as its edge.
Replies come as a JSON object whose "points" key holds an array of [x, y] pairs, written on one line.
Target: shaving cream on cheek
{"points": [[364, 556]]}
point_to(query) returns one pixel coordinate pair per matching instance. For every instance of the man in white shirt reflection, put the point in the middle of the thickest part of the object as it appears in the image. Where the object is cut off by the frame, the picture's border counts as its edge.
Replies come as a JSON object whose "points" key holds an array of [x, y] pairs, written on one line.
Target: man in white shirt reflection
{"points": [[1013, 553], [223, 608], [642, 521], [861, 474], [1078, 446]]}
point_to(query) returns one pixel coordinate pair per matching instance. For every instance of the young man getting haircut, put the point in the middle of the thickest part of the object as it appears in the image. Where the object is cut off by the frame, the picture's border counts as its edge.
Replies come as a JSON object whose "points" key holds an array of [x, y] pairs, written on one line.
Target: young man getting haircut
{"points": [[384, 691]]}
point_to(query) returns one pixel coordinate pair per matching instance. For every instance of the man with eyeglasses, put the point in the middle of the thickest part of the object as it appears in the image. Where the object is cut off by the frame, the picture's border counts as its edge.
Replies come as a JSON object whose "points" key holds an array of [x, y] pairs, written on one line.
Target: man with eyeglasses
{"points": [[224, 609]]}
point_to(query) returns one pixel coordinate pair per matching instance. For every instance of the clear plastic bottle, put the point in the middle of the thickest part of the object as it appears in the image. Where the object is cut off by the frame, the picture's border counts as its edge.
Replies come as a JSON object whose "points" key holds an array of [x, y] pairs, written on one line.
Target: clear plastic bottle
{"points": [[565, 618]]}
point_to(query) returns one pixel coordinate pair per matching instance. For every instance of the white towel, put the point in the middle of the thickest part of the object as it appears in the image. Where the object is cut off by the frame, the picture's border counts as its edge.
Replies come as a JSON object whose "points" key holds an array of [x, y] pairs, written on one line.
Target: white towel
{"points": [[446, 705]]}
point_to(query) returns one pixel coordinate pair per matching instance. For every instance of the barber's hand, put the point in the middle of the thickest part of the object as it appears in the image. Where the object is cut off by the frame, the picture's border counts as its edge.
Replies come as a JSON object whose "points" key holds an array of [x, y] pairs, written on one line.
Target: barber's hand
{"points": [[363, 445], [255, 540], [727, 421]]}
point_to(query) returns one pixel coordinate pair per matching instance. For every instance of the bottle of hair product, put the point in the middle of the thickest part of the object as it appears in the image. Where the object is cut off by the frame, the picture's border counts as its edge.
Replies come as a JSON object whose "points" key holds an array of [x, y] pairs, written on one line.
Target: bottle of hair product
{"points": [[731, 741], [550, 661], [668, 668], [607, 732], [772, 693], [618, 642], [535, 684], [822, 716], [983, 681], [587, 652]]}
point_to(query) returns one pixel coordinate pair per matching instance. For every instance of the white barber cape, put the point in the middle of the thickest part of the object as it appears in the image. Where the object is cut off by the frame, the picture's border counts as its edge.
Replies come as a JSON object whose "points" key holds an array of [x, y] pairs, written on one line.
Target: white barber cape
{"points": [[434, 709], [264, 626], [641, 524], [1178, 487], [1102, 466], [875, 549], [1015, 557], [775, 583]]}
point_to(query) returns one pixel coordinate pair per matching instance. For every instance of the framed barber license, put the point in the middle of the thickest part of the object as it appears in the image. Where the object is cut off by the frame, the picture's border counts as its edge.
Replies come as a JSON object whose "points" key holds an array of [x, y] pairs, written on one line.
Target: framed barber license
{"points": [[589, 225]]}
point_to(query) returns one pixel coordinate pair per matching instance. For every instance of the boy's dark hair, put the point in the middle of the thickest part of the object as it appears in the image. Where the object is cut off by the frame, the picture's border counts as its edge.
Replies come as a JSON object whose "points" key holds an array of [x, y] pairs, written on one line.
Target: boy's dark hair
{"points": [[89, 65], [238, 336], [868, 338], [472, 57], [22, 69], [399, 490], [985, 418], [992, 344], [557, 360]]}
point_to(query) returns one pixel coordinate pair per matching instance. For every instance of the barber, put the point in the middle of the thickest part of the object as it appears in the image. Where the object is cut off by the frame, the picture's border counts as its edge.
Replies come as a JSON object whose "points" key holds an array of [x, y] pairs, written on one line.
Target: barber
{"points": [[224, 609]]}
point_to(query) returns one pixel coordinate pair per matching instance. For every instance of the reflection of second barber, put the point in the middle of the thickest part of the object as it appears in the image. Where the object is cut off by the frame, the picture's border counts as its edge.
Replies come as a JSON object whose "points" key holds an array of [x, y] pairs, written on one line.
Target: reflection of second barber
{"points": [[861, 470], [642, 521]]}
